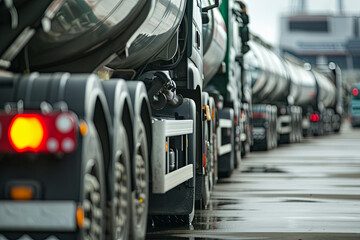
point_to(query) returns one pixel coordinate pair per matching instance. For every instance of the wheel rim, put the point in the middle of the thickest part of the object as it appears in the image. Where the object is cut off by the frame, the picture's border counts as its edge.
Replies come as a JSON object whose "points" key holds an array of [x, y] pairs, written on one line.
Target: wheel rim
{"points": [[92, 207], [121, 197], [140, 193]]}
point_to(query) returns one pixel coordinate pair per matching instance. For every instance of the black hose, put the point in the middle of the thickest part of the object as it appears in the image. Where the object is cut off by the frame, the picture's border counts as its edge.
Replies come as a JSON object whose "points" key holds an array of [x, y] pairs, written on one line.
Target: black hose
{"points": [[163, 91]]}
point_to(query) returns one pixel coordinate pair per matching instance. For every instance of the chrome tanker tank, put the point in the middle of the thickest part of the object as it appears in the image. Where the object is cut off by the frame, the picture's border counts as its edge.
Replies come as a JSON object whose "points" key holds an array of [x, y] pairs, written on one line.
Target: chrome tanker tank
{"points": [[156, 39], [84, 35], [303, 83], [270, 82], [19, 22], [214, 38], [326, 95]]}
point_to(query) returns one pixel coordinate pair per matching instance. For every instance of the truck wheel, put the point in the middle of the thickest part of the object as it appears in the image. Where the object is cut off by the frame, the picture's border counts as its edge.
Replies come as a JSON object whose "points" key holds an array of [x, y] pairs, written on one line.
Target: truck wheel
{"points": [[206, 191], [268, 137], [122, 198], [206, 182], [140, 197], [94, 202], [243, 149]]}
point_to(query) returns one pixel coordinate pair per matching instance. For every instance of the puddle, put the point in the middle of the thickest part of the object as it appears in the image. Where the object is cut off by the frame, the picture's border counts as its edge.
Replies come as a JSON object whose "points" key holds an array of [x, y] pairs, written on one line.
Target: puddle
{"points": [[299, 201], [225, 204], [263, 169]]}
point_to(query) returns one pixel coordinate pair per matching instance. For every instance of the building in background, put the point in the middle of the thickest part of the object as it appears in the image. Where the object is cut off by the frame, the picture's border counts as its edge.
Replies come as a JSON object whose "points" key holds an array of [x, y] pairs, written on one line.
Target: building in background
{"points": [[320, 39]]}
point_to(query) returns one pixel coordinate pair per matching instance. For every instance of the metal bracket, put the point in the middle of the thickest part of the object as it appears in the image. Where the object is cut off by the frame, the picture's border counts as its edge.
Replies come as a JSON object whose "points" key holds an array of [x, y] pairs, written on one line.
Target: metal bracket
{"points": [[223, 149], [162, 129]]}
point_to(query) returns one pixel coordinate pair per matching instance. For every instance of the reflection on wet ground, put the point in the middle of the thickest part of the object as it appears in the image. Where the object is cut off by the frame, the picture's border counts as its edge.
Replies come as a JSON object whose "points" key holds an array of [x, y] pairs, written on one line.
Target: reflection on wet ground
{"points": [[261, 236], [262, 169], [307, 191]]}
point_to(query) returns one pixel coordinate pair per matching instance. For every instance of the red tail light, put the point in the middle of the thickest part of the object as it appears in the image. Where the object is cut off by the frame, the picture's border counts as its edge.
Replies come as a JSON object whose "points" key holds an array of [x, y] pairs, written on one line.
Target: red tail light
{"points": [[27, 132], [259, 115], [36, 132], [314, 118], [355, 92], [236, 120]]}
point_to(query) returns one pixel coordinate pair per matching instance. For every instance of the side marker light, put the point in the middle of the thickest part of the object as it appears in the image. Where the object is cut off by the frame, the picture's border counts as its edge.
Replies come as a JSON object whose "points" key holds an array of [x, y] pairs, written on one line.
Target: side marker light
{"points": [[83, 128], [21, 193], [80, 217]]}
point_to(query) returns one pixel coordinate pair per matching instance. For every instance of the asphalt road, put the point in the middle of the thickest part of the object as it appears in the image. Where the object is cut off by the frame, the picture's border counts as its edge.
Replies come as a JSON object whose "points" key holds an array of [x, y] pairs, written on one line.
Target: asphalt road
{"points": [[306, 191]]}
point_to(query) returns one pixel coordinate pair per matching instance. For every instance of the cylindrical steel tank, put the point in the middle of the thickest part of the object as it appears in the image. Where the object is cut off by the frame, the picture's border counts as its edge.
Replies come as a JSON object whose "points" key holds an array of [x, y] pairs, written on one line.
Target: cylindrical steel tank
{"points": [[303, 85], [214, 38], [81, 27], [275, 80], [127, 33], [17, 28], [270, 82], [326, 90], [153, 35]]}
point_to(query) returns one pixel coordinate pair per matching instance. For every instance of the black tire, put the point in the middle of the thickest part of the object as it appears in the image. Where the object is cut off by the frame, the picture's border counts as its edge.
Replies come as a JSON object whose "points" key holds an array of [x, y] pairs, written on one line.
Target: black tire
{"points": [[243, 149], [225, 174], [215, 167], [206, 183], [140, 196], [120, 212], [260, 145], [268, 140], [286, 138], [237, 156], [206, 191]]}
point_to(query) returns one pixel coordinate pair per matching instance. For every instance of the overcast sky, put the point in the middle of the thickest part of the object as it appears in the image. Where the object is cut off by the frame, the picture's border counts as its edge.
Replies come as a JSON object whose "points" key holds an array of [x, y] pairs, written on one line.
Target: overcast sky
{"points": [[265, 14]]}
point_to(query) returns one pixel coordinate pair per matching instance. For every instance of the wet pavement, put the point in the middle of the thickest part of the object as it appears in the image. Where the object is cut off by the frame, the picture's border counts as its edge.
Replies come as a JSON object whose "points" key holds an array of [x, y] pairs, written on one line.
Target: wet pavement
{"points": [[306, 191]]}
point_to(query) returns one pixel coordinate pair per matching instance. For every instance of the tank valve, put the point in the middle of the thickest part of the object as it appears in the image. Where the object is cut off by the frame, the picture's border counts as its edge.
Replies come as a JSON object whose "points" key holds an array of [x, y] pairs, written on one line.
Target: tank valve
{"points": [[163, 91]]}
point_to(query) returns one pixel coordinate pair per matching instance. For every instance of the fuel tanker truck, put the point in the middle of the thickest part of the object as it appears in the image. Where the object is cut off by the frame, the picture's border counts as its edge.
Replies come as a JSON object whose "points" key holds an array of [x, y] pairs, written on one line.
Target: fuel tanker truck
{"points": [[224, 82], [318, 91], [328, 110], [103, 118], [289, 99]]}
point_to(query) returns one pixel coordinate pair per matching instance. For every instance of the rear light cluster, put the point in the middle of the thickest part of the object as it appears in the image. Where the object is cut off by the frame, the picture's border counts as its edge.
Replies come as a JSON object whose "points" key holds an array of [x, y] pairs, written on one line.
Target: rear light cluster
{"points": [[36, 132], [314, 118], [355, 92], [236, 120]]}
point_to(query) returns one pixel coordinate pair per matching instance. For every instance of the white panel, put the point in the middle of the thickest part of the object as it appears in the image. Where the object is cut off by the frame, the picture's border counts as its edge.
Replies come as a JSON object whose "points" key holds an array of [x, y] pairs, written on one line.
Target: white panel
{"points": [[224, 149], [178, 127], [38, 215], [177, 177], [161, 129]]}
